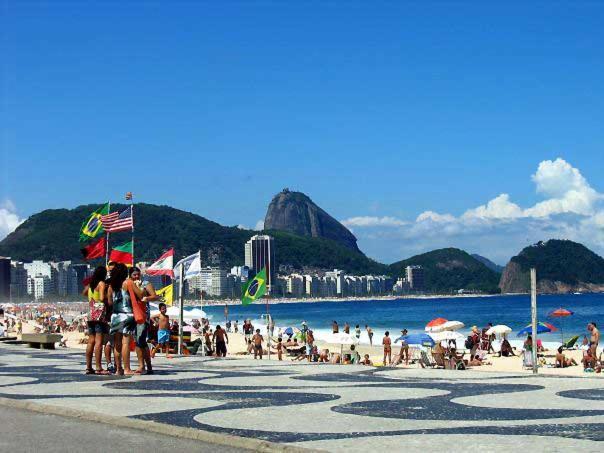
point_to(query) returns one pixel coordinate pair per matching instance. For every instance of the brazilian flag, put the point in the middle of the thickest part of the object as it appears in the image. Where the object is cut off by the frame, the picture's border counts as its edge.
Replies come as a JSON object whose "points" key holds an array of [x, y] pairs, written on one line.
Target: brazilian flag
{"points": [[92, 226], [255, 288]]}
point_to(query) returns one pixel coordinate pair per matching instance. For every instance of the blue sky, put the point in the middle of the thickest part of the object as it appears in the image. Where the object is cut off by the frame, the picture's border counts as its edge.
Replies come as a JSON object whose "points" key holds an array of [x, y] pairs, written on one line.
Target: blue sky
{"points": [[381, 110]]}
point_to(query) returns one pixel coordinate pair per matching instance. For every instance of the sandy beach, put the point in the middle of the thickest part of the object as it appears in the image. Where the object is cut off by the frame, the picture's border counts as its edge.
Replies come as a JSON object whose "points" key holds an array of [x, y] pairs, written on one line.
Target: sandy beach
{"points": [[237, 349]]}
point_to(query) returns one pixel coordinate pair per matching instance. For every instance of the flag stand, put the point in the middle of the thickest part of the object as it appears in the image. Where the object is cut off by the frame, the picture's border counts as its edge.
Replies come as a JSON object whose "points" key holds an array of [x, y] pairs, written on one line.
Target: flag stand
{"points": [[132, 215], [181, 283], [107, 245], [203, 340]]}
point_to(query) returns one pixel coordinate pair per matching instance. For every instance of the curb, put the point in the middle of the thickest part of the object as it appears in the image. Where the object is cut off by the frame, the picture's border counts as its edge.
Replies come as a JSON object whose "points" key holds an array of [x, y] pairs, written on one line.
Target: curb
{"points": [[245, 443]]}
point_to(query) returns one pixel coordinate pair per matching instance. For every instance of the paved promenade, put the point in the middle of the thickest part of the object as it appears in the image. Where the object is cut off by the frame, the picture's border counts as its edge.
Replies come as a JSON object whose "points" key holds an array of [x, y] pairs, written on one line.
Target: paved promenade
{"points": [[325, 407]]}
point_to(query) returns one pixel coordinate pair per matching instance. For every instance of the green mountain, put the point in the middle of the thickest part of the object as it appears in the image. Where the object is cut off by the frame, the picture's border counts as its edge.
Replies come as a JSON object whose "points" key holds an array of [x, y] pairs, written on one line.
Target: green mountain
{"points": [[53, 235], [562, 266], [448, 270]]}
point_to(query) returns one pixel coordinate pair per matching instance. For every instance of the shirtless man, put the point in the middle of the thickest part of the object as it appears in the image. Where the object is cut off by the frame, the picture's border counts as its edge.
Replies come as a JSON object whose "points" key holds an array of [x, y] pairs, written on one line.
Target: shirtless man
{"points": [[257, 339], [163, 330], [370, 334], [594, 339], [562, 361], [387, 342], [218, 339]]}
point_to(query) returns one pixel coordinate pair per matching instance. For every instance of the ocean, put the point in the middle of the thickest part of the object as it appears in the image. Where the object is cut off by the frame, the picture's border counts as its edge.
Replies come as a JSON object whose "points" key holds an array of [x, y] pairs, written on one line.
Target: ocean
{"points": [[414, 314]]}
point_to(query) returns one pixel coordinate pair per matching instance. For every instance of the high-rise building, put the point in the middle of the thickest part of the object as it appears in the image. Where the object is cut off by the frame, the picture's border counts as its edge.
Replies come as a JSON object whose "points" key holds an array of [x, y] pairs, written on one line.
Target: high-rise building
{"points": [[18, 281], [415, 277], [260, 253], [5, 268], [81, 272], [338, 276]]}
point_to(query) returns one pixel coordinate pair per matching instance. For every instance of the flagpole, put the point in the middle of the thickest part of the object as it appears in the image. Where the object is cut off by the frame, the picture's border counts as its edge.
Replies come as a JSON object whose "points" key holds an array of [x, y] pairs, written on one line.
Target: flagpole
{"points": [[181, 280], [203, 346], [107, 247], [132, 215]]}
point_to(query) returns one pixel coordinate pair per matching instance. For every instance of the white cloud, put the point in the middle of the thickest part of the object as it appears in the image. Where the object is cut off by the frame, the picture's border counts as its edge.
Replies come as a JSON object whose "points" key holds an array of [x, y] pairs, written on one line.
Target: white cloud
{"points": [[498, 208], [431, 216], [9, 219], [572, 209], [259, 225], [370, 221]]}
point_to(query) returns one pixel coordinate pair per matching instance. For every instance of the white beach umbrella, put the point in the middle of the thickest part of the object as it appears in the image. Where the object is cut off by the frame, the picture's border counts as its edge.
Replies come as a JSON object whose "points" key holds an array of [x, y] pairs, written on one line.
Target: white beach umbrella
{"points": [[447, 335], [499, 329], [449, 325]]}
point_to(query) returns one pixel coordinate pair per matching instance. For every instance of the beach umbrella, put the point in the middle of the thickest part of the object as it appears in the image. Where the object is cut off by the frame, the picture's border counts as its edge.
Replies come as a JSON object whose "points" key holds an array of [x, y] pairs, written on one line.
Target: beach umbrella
{"points": [[447, 335], [449, 325], [561, 313], [289, 331], [435, 323], [542, 327], [499, 329], [417, 338]]}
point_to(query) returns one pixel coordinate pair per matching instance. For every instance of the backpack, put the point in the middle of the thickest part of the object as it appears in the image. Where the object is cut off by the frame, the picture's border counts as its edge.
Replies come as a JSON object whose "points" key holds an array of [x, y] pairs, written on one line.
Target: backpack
{"points": [[469, 344]]}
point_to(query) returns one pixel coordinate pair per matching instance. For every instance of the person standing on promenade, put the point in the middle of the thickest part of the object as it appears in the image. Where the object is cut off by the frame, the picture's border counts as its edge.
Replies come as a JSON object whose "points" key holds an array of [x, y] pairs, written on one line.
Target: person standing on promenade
{"points": [[387, 342], [594, 339], [370, 334], [220, 339], [257, 339], [142, 329], [163, 330], [108, 339], [122, 320], [96, 293], [334, 327]]}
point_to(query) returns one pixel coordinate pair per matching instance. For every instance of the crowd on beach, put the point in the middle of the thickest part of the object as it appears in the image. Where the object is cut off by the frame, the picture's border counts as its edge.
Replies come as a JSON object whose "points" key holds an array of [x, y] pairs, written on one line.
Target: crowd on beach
{"points": [[120, 321]]}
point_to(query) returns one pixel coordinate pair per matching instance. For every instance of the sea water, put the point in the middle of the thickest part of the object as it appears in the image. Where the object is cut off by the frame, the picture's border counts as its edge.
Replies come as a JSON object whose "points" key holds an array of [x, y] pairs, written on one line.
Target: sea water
{"points": [[414, 314]]}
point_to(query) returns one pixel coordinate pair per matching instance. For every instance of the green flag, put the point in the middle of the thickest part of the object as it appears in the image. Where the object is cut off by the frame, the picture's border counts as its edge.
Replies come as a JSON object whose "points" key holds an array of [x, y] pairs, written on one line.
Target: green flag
{"points": [[92, 226], [255, 289]]}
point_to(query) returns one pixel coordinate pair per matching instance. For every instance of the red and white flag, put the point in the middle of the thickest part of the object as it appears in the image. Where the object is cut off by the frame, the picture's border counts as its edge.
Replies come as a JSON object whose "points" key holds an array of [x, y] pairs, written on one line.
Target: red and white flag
{"points": [[112, 223], [163, 266]]}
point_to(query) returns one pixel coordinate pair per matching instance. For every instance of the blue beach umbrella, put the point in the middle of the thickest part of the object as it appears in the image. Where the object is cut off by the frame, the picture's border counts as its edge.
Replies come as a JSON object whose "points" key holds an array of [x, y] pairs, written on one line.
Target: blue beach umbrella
{"points": [[417, 338], [541, 328]]}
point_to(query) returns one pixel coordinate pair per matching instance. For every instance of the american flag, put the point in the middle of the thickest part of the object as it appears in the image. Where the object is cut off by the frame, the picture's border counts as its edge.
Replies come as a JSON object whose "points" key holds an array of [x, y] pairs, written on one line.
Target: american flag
{"points": [[108, 219], [121, 222]]}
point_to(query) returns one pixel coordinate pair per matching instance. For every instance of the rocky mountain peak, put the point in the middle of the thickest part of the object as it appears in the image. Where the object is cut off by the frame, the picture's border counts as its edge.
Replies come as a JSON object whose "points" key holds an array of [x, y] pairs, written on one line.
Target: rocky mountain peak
{"points": [[296, 213]]}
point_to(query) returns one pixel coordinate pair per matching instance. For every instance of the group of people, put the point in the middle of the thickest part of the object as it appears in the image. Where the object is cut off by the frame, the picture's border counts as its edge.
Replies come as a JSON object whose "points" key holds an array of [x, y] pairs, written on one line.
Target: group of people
{"points": [[335, 328], [119, 314]]}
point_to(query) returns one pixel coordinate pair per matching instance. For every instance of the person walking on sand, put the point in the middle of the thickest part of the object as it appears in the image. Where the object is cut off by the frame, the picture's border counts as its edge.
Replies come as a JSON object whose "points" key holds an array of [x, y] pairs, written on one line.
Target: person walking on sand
{"points": [[387, 342], [220, 340], [594, 339], [369, 334], [257, 339], [279, 349], [310, 343]]}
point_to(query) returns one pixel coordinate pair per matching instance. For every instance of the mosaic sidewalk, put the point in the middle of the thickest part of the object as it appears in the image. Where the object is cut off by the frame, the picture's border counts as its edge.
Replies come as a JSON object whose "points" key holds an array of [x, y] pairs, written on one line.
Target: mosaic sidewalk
{"points": [[326, 407]]}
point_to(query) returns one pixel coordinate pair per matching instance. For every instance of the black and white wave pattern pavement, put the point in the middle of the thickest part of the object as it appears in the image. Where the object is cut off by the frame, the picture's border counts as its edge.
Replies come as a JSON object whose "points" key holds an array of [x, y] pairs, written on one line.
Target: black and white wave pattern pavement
{"points": [[325, 406]]}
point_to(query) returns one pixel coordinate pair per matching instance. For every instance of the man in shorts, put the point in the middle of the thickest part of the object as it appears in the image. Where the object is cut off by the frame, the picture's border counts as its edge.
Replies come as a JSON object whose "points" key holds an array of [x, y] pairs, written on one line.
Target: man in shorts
{"points": [[142, 330], [220, 340], [257, 339]]}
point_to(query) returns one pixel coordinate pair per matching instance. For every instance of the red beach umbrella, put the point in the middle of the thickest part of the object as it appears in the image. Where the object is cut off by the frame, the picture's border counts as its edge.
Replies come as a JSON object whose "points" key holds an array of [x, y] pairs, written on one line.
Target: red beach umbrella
{"points": [[561, 313], [435, 322]]}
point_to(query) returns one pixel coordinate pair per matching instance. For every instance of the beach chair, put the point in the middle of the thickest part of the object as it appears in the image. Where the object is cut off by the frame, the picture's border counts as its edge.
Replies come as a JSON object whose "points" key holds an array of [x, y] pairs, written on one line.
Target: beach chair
{"points": [[439, 360], [570, 344], [527, 359], [425, 361]]}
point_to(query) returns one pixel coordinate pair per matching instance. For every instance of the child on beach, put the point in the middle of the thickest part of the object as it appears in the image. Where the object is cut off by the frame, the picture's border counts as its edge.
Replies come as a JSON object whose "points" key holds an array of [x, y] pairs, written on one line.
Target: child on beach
{"points": [[163, 334], [280, 349]]}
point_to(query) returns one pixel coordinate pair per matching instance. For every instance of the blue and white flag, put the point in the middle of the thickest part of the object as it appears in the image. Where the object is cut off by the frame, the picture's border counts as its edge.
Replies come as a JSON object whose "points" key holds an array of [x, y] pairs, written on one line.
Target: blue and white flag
{"points": [[191, 265]]}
